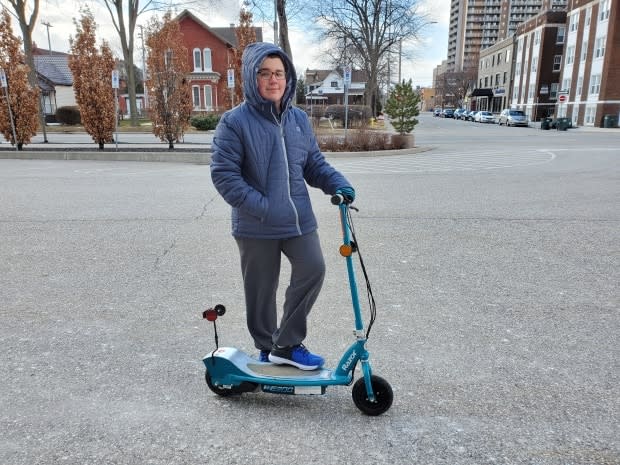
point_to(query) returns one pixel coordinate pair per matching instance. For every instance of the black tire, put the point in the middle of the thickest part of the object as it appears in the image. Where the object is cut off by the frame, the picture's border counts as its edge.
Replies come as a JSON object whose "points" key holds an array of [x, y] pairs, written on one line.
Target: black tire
{"points": [[219, 390], [383, 396]]}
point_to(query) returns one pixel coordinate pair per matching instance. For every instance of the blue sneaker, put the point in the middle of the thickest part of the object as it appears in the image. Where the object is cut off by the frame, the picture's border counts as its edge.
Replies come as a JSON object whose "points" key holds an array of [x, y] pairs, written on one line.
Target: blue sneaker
{"points": [[263, 356], [297, 356]]}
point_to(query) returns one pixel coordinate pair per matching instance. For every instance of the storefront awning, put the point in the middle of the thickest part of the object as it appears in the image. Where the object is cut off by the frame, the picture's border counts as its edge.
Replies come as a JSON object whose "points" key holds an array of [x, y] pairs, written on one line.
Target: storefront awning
{"points": [[482, 93]]}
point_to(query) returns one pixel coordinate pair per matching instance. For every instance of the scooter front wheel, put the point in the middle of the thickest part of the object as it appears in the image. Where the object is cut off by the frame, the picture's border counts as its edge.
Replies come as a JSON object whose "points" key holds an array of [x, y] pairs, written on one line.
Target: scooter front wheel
{"points": [[229, 391], [383, 396]]}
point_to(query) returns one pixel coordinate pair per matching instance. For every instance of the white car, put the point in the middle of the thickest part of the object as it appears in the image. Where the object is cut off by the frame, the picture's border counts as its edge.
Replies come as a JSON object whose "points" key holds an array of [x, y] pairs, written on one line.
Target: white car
{"points": [[484, 117]]}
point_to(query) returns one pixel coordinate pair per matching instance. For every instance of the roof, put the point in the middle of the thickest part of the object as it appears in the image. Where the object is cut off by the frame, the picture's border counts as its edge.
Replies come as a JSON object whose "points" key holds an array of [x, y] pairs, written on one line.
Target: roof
{"points": [[225, 34], [316, 76], [55, 68]]}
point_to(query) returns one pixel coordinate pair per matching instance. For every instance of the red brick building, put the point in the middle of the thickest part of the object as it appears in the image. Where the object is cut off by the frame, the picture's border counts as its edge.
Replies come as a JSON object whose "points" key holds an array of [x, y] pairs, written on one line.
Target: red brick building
{"points": [[211, 52], [590, 79]]}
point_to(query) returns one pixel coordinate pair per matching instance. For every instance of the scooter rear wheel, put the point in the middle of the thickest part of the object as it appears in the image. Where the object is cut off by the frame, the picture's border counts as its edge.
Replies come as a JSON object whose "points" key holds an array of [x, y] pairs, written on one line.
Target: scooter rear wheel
{"points": [[383, 396]]}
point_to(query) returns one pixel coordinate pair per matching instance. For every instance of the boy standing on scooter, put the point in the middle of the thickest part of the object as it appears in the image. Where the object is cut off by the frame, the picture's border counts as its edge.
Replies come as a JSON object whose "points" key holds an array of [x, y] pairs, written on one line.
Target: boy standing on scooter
{"points": [[264, 153]]}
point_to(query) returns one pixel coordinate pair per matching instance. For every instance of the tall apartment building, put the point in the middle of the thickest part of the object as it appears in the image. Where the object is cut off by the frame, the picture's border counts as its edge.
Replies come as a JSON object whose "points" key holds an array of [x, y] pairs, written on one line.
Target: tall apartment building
{"points": [[478, 24]]}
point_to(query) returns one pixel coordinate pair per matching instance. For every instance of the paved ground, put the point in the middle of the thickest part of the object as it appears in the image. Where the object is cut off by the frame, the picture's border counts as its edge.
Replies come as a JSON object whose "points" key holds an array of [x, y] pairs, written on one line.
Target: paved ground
{"points": [[494, 260]]}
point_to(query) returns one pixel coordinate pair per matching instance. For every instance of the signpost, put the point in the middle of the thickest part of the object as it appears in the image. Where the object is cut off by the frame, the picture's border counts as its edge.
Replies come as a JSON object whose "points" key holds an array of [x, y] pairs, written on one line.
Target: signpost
{"points": [[231, 85], [115, 82], [347, 83], [4, 85]]}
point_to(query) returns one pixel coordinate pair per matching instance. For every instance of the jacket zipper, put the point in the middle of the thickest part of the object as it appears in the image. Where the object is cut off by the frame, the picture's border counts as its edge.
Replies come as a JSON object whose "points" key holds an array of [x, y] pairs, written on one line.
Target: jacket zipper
{"points": [[288, 176]]}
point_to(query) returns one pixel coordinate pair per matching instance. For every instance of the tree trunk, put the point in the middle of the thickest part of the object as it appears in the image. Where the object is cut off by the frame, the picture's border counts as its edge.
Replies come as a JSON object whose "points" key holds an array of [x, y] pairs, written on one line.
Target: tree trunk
{"points": [[101, 145], [285, 44]]}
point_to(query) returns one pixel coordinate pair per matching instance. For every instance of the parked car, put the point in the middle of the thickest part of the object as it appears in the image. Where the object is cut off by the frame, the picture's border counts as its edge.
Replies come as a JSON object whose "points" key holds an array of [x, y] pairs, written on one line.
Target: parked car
{"points": [[471, 115], [512, 118], [447, 113], [458, 112], [484, 117], [437, 112], [464, 114]]}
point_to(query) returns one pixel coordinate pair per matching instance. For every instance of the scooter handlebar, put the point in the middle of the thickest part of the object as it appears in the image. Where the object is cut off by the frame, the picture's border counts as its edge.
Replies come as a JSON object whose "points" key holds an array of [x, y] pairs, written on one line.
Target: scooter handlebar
{"points": [[339, 199]]}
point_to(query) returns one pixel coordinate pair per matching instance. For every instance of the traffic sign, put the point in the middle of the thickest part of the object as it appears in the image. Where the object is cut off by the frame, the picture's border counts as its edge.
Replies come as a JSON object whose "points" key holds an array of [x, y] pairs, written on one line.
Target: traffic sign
{"points": [[115, 79], [2, 78], [562, 97], [231, 78]]}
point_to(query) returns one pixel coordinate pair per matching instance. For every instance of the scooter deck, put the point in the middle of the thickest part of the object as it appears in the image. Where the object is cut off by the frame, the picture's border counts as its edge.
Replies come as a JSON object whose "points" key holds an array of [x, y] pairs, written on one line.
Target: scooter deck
{"points": [[227, 363]]}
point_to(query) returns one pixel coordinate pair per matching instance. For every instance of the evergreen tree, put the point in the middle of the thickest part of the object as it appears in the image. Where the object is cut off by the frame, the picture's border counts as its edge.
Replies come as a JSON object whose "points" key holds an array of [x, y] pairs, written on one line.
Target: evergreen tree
{"points": [[403, 106]]}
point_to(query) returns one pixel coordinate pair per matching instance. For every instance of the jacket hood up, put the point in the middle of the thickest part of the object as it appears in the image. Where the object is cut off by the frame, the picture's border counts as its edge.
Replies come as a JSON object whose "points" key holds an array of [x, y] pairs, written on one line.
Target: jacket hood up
{"points": [[252, 58]]}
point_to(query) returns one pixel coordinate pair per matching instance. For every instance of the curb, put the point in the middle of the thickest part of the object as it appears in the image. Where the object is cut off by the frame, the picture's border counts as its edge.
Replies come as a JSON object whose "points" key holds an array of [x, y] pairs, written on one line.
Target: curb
{"points": [[200, 158]]}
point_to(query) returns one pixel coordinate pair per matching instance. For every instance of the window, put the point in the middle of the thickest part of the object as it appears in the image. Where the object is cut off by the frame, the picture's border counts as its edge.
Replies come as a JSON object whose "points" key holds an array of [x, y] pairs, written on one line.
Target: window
{"points": [[497, 79], [486, 81], [584, 50], [588, 16], [197, 60], [196, 94], [507, 55], [561, 34], [570, 55], [603, 9], [207, 65], [537, 37], [208, 98], [499, 58], [505, 77], [557, 62], [574, 22], [599, 47], [579, 85], [595, 84], [553, 93], [168, 58], [515, 92], [590, 115], [566, 84], [531, 91], [534, 64], [333, 84]]}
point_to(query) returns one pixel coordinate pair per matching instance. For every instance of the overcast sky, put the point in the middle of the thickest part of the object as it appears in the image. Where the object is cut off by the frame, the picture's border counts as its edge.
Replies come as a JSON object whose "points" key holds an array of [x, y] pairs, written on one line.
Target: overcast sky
{"points": [[418, 66]]}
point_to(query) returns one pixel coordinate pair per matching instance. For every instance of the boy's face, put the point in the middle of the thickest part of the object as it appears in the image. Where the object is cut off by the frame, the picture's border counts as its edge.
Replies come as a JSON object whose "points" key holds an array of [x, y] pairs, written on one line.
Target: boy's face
{"points": [[272, 88]]}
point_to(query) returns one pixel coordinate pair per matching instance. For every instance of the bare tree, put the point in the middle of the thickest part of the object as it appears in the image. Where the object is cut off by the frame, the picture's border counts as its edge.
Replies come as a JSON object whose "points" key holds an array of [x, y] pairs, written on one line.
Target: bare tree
{"points": [[124, 14], [92, 81], [22, 96], [169, 91], [367, 31]]}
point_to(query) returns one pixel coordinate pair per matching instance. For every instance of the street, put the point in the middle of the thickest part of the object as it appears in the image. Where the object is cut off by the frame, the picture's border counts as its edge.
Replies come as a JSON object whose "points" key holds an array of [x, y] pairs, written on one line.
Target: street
{"points": [[493, 257]]}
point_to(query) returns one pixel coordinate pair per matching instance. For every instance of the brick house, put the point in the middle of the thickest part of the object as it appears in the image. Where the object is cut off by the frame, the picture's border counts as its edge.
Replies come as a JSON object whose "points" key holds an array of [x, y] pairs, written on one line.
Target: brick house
{"points": [[211, 53]]}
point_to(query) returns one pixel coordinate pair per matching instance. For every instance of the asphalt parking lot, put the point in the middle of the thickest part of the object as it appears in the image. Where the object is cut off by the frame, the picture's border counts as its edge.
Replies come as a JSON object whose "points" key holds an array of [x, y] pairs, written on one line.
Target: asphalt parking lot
{"points": [[494, 262]]}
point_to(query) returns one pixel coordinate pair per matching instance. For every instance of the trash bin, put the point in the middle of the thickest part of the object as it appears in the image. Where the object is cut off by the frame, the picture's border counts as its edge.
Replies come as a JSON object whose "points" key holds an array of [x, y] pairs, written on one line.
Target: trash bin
{"points": [[562, 124], [545, 124], [610, 121]]}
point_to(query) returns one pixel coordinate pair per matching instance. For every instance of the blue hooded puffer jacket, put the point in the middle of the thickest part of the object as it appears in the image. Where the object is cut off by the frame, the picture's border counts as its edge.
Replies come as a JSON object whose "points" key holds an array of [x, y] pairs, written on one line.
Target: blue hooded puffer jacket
{"points": [[262, 161]]}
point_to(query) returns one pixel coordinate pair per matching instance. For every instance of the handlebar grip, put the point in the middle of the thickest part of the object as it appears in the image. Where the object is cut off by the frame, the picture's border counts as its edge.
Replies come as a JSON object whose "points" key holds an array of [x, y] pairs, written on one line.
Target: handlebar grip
{"points": [[337, 199]]}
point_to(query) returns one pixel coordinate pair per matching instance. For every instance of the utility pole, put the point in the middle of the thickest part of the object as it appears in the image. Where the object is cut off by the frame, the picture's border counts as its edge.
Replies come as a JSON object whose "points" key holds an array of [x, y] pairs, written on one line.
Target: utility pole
{"points": [[49, 42], [144, 89]]}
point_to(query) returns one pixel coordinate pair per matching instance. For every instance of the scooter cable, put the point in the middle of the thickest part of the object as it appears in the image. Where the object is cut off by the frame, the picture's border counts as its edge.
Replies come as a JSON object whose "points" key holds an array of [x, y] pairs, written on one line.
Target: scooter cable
{"points": [[371, 299]]}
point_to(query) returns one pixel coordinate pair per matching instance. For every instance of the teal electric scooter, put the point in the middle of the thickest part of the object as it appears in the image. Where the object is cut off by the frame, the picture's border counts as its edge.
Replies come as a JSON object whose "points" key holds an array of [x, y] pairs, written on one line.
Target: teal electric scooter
{"points": [[230, 371]]}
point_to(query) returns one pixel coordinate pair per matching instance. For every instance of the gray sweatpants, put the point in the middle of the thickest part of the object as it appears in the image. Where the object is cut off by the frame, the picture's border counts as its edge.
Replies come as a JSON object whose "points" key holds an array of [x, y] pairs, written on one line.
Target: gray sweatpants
{"points": [[260, 267]]}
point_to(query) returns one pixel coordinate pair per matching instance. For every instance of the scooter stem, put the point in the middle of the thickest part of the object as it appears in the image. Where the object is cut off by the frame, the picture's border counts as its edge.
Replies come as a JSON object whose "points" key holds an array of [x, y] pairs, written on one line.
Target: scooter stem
{"points": [[346, 237]]}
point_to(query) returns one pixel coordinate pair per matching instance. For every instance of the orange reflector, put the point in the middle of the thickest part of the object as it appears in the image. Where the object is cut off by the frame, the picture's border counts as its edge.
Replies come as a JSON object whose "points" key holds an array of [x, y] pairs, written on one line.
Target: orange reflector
{"points": [[346, 250]]}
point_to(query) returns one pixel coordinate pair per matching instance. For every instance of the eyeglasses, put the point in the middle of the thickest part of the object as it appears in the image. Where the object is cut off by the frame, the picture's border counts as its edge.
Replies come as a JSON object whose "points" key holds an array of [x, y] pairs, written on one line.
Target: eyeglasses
{"points": [[265, 74]]}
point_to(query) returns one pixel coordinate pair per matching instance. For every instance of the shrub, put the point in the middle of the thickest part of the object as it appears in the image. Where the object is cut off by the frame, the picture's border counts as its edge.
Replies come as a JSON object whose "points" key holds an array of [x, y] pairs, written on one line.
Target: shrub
{"points": [[68, 115], [205, 122], [359, 114]]}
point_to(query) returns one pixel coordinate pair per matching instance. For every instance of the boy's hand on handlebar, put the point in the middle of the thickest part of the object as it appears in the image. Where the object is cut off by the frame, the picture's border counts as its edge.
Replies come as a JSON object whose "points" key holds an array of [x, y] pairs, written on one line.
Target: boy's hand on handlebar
{"points": [[348, 193]]}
